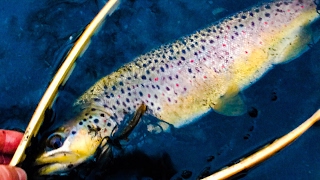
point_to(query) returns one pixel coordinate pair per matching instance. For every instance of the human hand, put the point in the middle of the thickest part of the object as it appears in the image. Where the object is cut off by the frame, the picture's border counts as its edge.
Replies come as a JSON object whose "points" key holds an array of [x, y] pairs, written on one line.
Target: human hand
{"points": [[9, 141]]}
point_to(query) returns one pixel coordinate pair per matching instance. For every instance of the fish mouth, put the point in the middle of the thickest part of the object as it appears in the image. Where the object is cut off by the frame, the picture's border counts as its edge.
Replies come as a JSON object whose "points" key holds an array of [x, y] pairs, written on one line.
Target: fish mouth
{"points": [[57, 164]]}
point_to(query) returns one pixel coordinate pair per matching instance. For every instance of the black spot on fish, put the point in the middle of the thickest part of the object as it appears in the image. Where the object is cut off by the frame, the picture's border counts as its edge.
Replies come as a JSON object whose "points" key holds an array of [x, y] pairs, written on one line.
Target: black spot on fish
{"points": [[243, 17], [267, 14], [143, 77], [108, 124], [96, 99], [90, 117], [114, 88], [84, 120], [73, 132], [80, 123], [121, 83], [96, 121], [267, 6], [140, 93], [102, 115]]}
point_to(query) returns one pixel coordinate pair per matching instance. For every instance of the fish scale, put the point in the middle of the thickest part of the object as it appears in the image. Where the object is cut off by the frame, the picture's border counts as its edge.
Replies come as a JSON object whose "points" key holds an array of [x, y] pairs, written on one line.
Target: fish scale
{"points": [[182, 76], [181, 81]]}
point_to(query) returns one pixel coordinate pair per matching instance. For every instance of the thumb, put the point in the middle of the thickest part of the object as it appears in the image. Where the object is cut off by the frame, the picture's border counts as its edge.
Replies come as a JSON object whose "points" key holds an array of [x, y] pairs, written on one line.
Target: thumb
{"points": [[12, 173]]}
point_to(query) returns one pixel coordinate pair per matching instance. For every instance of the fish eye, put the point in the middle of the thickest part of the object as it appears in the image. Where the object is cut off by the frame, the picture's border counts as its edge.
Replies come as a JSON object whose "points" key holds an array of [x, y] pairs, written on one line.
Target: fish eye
{"points": [[54, 141]]}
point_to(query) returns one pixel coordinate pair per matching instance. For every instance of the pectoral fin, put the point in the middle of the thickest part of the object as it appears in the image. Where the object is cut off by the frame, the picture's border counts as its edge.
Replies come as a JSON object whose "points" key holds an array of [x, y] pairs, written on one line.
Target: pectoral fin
{"points": [[230, 104]]}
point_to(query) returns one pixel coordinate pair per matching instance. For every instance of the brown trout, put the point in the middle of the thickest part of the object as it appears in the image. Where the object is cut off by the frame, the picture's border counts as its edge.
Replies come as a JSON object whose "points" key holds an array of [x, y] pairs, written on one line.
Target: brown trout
{"points": [[181, 81]]}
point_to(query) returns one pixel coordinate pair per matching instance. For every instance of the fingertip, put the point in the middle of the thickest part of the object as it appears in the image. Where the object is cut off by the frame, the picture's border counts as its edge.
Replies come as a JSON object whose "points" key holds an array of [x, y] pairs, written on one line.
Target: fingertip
{"points": [[21, 173], [9, 141]]}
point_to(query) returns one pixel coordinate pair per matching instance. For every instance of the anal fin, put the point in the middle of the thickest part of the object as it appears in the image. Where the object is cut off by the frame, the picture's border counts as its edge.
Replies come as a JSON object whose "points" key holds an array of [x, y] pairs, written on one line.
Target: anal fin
{"points": [[231, 103]]}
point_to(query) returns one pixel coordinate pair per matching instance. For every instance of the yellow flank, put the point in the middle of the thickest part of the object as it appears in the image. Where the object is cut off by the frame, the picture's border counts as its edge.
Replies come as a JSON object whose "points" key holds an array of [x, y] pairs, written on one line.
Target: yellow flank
{"points": [[198, 100], [278, 46]]}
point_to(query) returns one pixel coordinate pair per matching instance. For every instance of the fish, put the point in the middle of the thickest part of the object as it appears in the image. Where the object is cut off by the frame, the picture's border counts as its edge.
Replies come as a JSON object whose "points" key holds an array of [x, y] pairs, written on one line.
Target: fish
{"points": [[181, 81]]}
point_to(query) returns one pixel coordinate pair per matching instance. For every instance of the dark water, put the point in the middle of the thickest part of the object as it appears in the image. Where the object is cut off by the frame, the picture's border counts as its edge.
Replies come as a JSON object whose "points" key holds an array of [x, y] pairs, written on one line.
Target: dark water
{"points": [[35, 35]]}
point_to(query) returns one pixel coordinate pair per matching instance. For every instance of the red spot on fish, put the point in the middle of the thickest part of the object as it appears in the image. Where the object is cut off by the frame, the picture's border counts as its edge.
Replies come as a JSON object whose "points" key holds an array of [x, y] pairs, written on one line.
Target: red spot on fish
{"points": [[156, 79], [265, 22], [149, 95], [118, 96], [177, 85], [302, 7], [224, 45], [205, 77], [246, 52], [191, 60]]}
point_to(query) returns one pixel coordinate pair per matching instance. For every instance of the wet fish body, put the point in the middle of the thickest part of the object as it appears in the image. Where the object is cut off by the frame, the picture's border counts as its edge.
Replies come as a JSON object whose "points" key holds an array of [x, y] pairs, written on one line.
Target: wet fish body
{"points": [[181, 81]]}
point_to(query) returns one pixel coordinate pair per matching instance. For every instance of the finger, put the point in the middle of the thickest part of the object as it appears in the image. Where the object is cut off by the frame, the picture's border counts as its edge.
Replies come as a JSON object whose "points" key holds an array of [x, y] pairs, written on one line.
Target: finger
{"points": [[9, 141], [12, 173]]}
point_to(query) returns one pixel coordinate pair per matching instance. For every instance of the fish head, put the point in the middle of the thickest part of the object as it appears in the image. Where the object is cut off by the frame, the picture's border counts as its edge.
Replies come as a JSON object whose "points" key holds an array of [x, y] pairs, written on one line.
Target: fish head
{"points": [[76, 142]]}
